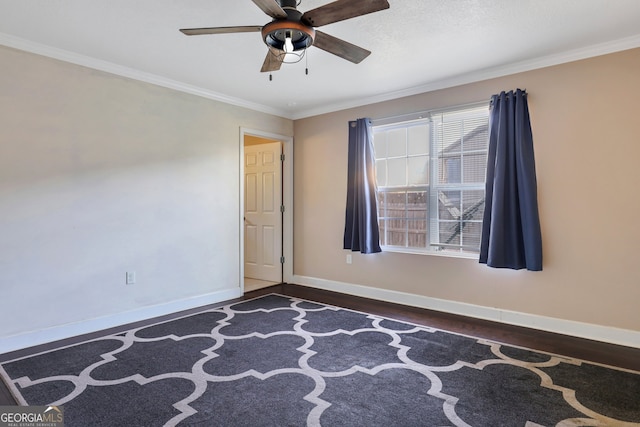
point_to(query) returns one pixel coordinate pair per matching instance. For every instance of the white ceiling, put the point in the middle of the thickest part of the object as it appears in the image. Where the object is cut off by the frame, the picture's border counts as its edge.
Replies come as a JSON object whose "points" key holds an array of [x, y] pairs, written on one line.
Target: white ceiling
{"points": [[417, 45]]}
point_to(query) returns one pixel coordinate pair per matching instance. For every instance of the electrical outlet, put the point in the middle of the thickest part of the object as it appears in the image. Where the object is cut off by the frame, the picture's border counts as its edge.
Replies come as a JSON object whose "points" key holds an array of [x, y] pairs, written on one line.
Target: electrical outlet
{"points": [[131, 277], [349, 259]]}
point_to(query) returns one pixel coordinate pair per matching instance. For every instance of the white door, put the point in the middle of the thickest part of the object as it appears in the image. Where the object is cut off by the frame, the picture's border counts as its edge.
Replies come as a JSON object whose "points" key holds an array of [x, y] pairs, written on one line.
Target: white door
{"points": [[262, 215]]}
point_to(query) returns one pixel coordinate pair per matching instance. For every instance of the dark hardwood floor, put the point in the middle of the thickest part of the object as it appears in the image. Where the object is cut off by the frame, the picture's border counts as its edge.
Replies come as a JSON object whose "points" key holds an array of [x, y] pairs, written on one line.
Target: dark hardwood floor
{"points": [[594, 351]]}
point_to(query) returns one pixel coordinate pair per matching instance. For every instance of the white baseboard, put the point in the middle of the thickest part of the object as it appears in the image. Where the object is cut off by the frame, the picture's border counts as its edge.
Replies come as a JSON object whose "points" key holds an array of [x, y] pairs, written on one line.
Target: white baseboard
{"points": [[590, 331], [43, 336]]}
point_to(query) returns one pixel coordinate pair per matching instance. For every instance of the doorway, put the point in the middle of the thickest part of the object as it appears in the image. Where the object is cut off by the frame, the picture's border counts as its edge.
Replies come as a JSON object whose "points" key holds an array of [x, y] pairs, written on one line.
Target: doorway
{"points": [[263, 210]]}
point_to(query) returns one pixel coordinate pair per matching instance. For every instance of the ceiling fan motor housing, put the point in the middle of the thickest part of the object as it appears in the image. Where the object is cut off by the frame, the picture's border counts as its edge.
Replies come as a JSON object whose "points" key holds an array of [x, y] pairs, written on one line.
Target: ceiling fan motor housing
{"points": [[277, 31]]}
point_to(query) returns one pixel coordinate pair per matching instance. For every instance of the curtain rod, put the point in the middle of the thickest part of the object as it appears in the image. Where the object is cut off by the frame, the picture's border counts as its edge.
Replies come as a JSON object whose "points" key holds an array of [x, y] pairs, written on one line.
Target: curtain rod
{"points": [[421, 114]]}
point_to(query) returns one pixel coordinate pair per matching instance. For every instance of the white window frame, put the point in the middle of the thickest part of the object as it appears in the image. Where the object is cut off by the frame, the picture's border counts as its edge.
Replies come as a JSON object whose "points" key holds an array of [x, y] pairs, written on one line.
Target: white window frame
{"points": [[433, 188]]}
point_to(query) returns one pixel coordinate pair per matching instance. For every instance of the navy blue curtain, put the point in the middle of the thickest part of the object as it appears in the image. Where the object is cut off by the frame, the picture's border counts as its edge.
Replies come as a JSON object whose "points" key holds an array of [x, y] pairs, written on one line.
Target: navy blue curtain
{"points": [[361, 218], [511, 236]]}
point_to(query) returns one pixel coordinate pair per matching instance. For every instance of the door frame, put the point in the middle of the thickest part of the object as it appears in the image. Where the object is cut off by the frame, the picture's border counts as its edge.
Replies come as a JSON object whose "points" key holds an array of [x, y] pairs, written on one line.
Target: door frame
{"points": [[287, 200]]}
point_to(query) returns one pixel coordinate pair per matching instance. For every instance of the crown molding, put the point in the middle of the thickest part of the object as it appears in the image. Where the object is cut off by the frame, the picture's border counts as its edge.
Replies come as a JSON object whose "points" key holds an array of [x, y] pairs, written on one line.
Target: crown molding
{"points": [[484, 74], [119, 70], [479, 75]]}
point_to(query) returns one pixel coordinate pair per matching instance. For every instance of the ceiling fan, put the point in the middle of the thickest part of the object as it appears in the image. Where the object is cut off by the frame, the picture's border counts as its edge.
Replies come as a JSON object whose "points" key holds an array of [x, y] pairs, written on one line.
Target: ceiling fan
{"points": [[292, 32]]}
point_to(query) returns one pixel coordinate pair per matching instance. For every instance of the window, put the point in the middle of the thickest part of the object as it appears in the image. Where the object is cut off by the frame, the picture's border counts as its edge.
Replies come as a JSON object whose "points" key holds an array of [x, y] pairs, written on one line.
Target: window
{"points": [[430, 174]]}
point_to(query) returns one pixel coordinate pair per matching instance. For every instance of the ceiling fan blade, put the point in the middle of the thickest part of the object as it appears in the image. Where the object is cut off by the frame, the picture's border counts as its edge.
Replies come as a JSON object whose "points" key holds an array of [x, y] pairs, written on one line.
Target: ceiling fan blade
{"points": [[273, 61], [271, 8], [340, 10], [220, 30], [339, 47]]}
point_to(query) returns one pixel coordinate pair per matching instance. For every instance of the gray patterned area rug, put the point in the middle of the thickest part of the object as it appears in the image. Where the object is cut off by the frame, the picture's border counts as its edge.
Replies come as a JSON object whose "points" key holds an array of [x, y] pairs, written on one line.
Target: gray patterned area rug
{"points": [[281, 361]]}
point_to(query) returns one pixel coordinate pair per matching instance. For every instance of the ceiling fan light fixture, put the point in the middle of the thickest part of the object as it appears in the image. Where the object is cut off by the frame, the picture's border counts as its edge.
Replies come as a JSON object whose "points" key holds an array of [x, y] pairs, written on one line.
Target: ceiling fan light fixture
{"points": [[289, 37]]}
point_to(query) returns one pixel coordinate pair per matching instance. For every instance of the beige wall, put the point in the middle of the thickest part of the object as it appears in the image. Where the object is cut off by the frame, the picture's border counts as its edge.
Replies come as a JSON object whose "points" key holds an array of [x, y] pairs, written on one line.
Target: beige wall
{"points": [[585, 119], [100, 175]]}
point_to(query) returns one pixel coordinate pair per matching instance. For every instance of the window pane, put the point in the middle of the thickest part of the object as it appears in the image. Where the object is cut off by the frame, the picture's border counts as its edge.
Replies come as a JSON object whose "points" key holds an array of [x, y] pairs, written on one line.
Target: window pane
{"points": [[472, 234], [450, 138], [418, 170], [475, 167], [417, 230], [381, 173], [418, 140], [382, 228], [449, 205], [396, 223], [462, 144], [450, 233], [417, 234], [476, 134], [382, 213], [381, 203], [397, 172], [460, 219], [380, 144], [473, 205], [417, 204], [396, 204], [396, 142], [450, 169], [397, 232]]}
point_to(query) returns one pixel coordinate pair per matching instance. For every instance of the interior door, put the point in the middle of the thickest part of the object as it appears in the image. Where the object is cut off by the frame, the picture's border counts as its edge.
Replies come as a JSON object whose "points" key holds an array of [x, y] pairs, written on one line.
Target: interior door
{"points": [[262, 215]]}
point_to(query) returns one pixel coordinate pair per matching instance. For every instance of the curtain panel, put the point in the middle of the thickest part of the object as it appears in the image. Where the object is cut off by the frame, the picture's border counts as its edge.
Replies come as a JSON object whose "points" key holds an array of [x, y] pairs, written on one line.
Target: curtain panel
{"points": [[361, 216], [511, 236]]}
